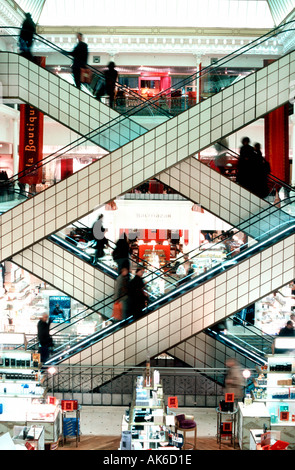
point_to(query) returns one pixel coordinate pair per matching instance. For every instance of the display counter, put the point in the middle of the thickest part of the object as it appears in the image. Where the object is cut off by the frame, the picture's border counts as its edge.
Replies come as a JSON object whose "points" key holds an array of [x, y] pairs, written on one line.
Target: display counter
{"points": [[147, 425], [252, 416]]}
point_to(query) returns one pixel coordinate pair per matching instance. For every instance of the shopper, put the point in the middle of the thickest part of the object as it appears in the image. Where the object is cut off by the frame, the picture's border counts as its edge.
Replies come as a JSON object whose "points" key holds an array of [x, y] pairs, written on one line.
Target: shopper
{"points": [[111, 77], [260, 173], [234, 381], [121, 252], [288, 329], [44, 337], [245, 164], [137, 297], [121, 290], [100, 240], [26, 37], [80, 54]]}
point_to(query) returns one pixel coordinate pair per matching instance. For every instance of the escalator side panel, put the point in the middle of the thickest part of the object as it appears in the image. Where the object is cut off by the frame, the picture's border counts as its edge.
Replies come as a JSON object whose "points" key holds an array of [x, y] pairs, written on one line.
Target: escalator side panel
{"points": [[66, 272], [148, 155], [186, 316]]}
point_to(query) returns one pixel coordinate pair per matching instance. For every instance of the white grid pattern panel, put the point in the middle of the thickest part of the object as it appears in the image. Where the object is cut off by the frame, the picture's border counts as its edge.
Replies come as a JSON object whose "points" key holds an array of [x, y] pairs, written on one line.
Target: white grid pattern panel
{"points": [[213, 191], [66, 272], [197, 310], [204, 351], [158, 150], [30, 83]]}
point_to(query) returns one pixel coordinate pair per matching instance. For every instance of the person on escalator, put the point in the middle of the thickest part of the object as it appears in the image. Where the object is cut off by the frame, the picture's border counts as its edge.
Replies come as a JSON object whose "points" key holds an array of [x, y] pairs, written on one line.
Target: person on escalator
{"points": [[121, 252], [80, 54], [262, 171], [44, 337], [26, 37], [111, 77], [121, 290], [245, 164], [100, 240], [137, 297]]}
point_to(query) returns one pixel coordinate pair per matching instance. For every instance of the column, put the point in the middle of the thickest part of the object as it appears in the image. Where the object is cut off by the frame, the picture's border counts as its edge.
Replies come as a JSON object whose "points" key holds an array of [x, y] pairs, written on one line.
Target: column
{"points": [[292, 120], [277, 142]]}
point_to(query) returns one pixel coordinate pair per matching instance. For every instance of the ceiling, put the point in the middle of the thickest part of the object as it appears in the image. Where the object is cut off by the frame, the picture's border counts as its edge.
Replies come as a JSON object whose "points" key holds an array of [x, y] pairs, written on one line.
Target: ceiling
{"points": [[164, 13]]}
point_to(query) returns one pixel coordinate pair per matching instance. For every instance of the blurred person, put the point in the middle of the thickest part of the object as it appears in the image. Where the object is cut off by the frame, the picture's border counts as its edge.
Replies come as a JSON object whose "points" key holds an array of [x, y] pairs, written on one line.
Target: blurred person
{"points": [[121, 252], [111, 77], [121, 289], [245, 163], [44, 337], [80, 55], [137, 297], [234, 380], [26, 37]]}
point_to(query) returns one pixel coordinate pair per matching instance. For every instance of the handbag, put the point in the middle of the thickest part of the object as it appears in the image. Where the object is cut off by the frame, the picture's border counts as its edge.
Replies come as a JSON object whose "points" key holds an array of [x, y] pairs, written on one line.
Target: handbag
{"points": [[118, 310], [85, 76]]}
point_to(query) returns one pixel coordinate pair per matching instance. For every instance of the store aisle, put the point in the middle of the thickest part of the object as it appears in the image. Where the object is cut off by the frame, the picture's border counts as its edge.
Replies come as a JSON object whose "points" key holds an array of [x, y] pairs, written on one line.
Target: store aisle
{"points": [[107, 420]]}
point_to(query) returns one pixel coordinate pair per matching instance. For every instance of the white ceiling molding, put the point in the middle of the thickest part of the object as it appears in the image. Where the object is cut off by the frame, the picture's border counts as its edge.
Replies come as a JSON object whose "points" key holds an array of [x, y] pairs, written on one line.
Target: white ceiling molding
{"points": [[114, 45], [10, 13]]}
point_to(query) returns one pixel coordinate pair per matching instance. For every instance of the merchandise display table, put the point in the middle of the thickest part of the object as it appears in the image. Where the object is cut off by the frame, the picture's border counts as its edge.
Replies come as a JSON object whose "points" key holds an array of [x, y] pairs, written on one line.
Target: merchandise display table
{"points": [[252, 416], [226, 426]]}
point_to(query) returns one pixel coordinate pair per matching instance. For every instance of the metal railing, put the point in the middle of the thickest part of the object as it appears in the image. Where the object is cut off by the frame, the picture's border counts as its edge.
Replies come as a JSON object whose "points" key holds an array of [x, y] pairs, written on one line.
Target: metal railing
{"points": [[114, 385]]}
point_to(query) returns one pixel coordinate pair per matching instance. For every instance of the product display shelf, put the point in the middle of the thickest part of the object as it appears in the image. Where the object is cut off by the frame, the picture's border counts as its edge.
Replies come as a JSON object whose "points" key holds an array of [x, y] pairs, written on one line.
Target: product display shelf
{"points": [[279, 396], [22, 398], [71, 425], [145, 426], [150, 434]]}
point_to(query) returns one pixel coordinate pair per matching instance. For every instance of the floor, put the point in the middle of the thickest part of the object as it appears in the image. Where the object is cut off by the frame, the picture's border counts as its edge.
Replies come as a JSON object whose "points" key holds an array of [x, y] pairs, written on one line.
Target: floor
{"points": [[101, 429]]}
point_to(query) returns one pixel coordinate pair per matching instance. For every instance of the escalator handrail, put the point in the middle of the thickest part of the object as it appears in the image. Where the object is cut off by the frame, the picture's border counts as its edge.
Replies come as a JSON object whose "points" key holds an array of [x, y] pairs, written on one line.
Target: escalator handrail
{"points": [[58, 49], [197, 281], [138, 260], [249, 221], [114, 121], [270, 176]]}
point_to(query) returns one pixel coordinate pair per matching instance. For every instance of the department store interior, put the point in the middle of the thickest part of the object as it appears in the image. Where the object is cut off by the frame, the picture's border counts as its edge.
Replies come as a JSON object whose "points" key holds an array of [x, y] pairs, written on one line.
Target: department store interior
{"points": [[159, 167]]}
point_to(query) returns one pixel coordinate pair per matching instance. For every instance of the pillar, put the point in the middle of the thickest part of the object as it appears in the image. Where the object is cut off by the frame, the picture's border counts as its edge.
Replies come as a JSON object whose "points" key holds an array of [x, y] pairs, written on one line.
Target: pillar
{"points": [[276, 136], [292, 118]]}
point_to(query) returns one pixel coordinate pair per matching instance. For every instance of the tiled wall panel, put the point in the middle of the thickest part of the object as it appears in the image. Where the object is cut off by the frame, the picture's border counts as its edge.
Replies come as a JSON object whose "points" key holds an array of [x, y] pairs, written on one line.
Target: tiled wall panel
{"points": [[195, 311], [65, 272], [125, 168], [26, 82], [216, 193], [203, 351]]}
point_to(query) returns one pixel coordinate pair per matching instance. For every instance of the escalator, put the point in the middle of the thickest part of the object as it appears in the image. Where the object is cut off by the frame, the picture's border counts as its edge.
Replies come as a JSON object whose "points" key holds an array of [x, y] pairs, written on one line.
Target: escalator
{"points": [[137, 161], [180, 310], [34, 259], [24, 81]]}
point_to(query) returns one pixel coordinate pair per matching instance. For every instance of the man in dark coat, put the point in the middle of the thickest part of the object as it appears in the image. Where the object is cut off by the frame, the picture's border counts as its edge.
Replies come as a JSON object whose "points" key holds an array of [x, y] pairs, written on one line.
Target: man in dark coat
{"points": [[121, 253], [137, 298], [80, 54], [44, 337], [26, 37], [245, 164], [111, 76]]}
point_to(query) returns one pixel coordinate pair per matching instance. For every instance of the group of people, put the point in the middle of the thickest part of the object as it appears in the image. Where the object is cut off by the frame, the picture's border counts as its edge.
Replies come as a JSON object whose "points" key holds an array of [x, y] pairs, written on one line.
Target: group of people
{"points": [[131, 293], [80, 58], [253, 169]]}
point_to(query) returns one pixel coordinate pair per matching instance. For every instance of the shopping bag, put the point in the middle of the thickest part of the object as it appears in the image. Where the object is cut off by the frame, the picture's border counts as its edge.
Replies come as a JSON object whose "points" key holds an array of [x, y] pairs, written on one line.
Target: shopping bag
{"points": [[118, 310], [85, 76]]}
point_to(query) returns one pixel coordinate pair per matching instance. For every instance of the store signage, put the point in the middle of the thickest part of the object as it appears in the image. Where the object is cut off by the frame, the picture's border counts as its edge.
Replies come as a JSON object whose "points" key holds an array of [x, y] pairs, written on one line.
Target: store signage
{"points": [[31, 140], [30, 144], [59, 308]]}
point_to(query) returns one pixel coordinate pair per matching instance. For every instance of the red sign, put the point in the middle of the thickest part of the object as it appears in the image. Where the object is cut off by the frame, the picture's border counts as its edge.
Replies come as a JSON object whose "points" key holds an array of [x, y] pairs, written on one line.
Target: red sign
{"points": [[31, 140], [30, 144]]}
